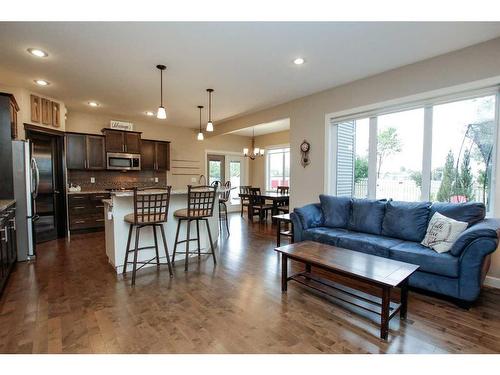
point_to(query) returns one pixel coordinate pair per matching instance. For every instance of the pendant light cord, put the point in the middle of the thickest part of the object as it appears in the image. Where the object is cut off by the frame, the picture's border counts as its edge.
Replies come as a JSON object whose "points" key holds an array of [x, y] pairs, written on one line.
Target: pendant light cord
{"points": [[161, 88]]}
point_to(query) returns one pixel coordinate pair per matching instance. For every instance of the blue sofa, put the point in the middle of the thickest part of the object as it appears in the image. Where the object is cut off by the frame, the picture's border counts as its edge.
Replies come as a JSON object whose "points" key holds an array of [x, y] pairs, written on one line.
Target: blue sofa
{"points": [[394, 230]]}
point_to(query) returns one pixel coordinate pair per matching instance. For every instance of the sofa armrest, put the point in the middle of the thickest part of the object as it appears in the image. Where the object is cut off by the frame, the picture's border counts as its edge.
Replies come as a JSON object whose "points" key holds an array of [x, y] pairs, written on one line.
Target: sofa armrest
{"points": [[487, 228], [310, 215], [473, 261], [297, 227]]}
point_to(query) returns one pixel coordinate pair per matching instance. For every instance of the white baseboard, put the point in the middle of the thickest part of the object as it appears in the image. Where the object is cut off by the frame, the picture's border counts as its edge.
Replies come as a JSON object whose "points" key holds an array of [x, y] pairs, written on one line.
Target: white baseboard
{"points": [[493, 282]]}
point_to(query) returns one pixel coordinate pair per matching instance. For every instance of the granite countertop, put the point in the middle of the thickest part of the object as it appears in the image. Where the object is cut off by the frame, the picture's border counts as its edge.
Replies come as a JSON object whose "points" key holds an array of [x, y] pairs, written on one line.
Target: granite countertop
{"points": [[88, 192], [5, 203]]}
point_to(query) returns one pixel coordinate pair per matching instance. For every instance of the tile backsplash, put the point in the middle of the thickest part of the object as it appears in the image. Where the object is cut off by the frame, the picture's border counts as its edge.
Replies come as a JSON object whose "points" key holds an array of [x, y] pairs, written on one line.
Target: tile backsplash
{"points": [[116, 179]]}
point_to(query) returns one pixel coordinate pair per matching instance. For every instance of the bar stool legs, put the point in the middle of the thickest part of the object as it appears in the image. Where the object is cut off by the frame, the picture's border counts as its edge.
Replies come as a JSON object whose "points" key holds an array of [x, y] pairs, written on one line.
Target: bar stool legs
{"points": [[223, 216], [188, 240], [162, 230], [136, 249]]}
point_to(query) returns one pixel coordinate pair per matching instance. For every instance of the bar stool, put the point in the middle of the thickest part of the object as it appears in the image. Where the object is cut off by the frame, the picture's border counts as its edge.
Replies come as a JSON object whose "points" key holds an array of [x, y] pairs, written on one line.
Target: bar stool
{"points": [[200, 207], [223, 199], [150, 210]]}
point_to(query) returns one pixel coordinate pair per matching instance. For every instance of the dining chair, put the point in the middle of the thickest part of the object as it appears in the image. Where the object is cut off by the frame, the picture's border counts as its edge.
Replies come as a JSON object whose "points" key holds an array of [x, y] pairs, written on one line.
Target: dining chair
{"points": [[245, 201], [223, 199], [282, 205], [258, 206]]}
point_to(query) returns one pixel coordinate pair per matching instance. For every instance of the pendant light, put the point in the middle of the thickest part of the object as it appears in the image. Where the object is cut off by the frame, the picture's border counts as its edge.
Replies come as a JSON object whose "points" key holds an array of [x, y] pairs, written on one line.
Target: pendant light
{"points": [[210, 124], [256, 151], [200, 134], [162, 113]]}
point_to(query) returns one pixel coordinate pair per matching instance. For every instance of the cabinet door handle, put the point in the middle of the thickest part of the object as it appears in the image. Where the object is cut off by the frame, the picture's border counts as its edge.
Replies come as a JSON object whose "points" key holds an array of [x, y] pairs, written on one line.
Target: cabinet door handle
{"points": [[78, 207], [13, 221], [5, 235], [79, 221]]}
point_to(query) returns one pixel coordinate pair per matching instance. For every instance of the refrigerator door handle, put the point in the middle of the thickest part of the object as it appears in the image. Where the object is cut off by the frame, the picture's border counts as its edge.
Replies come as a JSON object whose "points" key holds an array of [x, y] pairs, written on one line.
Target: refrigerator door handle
{"points": [[36, 178]]}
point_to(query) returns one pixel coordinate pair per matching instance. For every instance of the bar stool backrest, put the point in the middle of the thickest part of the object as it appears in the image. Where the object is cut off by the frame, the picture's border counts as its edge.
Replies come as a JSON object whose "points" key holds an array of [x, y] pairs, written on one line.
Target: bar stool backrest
{"points": [[151, 206], [201, 201], [224, 195]]}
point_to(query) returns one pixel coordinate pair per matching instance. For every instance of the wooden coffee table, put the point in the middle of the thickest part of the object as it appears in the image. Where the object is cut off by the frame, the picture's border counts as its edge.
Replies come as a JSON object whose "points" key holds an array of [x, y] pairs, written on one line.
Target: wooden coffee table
{"points": [[382, 273]]}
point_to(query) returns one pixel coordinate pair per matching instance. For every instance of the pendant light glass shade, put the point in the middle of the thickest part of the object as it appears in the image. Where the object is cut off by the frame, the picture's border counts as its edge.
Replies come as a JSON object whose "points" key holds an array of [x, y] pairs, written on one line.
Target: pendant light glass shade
{"points": [[245, 151], [162, 113], [210, 124], [200, 136]]}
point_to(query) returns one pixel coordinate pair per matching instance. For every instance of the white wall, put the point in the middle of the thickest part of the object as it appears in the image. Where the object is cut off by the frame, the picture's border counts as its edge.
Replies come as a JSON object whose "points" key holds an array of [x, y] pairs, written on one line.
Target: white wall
{"points": [[460, 70]]}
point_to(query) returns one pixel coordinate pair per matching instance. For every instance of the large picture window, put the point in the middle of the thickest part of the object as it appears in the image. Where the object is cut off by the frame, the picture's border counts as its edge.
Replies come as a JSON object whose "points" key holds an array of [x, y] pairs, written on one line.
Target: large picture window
{"points": [[441, 151], [277, 168]]}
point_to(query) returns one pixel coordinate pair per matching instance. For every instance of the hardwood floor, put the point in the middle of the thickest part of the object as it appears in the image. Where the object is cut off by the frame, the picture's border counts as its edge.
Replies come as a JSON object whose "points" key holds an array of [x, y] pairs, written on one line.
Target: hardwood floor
{"points": [[71, 301]]}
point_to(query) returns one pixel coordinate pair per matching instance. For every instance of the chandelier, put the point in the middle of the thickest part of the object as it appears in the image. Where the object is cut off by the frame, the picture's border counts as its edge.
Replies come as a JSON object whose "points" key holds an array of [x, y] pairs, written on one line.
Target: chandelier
{"points": [[256, 151]]}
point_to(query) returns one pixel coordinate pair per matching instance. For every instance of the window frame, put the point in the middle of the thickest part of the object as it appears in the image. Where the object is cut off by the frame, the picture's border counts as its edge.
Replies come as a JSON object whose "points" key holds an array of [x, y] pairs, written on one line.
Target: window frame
{"points": [[268, 152], [427, 105]]}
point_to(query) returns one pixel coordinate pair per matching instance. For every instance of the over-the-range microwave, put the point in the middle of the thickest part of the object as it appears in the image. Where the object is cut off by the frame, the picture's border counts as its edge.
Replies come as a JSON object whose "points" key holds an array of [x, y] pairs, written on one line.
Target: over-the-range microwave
{"points": [[122, 161]]}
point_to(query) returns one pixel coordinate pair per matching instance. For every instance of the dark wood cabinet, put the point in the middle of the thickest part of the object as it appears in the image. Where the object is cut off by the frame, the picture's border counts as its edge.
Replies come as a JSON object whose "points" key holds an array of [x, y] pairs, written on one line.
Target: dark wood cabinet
{"points": [[163, 156], [155, 155], [122, 141], [8, 245], [96, 154], [84, 151], [76, 151], [148, 161], [14, 108], [132, 142], [8, 114], [86, 211]]}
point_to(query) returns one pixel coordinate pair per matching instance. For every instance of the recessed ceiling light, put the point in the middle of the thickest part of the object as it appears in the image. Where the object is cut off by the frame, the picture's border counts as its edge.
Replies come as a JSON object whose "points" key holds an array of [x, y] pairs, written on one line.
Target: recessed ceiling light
{"points": [[41, 82], [37, 52], [149, 113], [93, 104], [299, 61]]}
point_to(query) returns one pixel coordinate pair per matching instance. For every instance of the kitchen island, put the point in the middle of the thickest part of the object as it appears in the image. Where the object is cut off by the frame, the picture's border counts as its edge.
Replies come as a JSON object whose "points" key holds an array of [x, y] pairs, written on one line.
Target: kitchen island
{"points": [[121, 203]]}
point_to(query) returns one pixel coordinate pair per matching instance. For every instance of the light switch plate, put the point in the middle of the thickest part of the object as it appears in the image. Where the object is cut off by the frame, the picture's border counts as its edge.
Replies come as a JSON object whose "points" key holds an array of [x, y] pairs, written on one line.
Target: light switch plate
{"points": [[92, 180], [193, 179]]}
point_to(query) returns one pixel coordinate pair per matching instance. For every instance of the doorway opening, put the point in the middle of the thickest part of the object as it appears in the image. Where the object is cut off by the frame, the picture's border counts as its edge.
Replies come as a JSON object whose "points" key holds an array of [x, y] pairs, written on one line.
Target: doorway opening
{"points": [[50, 204]]}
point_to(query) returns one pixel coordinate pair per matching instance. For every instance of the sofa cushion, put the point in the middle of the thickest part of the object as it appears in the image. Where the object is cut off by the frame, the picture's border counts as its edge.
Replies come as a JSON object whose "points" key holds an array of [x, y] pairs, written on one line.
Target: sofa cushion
{"points": [[367, 243], [329, 236], [406, 220], [471, 212], [336, 210], [366, 216], [429, 261]]}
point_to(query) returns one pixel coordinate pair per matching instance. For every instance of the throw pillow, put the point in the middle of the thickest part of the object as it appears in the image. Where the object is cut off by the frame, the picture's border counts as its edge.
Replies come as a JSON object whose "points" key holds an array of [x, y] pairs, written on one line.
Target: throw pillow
{"points": [[442, 232]]}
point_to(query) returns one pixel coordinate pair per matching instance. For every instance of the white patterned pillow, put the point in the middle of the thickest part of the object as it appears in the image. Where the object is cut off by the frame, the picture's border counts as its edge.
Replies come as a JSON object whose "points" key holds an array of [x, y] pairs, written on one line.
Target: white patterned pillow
{"points": [[442, 232]]}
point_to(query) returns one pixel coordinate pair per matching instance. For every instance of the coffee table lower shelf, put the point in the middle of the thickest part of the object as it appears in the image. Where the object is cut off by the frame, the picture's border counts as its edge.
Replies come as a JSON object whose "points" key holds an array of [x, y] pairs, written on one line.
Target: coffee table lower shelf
{"points": [[345, 294]]}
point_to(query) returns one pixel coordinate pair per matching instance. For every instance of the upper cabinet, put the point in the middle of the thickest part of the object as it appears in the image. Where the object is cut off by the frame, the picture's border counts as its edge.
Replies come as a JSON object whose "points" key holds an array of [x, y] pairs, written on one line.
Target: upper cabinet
{"points": [[85, 151], [155, 155], [122, 141]]}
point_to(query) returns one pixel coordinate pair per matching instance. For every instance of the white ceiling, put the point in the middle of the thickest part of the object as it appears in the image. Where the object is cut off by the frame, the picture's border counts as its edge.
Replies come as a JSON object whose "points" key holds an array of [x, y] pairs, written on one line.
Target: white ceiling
{"points": [[248, 64], [267, 128]]}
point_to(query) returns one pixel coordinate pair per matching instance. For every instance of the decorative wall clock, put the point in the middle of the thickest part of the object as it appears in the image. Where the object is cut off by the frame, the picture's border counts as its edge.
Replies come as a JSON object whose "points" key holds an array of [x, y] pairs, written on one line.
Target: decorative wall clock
{"points": [[305, 147]]}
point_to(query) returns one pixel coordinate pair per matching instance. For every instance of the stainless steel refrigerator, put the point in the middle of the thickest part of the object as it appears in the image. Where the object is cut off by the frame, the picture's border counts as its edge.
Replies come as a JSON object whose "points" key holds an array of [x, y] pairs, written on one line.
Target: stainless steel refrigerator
{"points": [[26, 182]]}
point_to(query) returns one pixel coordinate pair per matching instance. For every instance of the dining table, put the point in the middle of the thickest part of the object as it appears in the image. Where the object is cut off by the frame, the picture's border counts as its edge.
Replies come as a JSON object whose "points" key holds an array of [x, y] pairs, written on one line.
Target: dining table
{"points": [[273, 196]]}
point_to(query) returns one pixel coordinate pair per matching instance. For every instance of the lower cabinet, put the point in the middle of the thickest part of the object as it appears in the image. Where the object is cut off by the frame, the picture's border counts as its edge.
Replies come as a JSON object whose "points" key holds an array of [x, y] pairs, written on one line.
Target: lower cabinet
{"points": [[86, 211], [8, 247]]}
